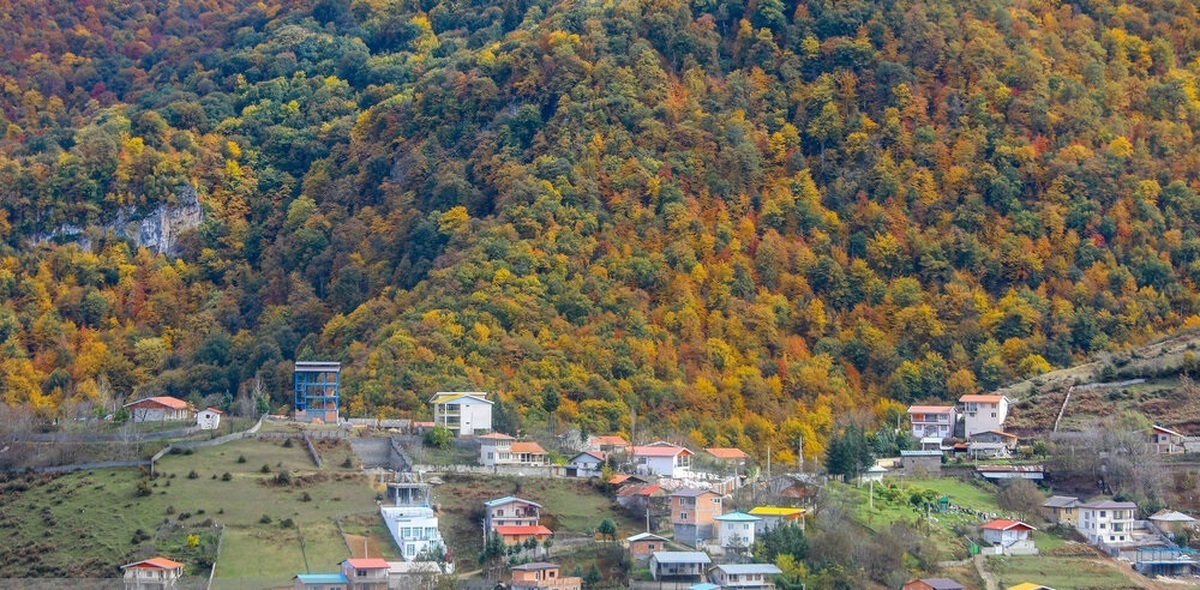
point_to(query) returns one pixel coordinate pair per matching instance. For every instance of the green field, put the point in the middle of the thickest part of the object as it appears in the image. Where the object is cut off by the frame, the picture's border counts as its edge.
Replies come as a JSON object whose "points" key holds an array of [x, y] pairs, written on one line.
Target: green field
{"points": [[84, 523], [1061, 573]]}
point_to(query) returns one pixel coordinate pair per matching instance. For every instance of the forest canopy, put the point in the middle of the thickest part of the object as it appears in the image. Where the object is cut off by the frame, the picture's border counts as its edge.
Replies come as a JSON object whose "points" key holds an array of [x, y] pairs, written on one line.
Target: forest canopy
{"points": [[745, 219]]}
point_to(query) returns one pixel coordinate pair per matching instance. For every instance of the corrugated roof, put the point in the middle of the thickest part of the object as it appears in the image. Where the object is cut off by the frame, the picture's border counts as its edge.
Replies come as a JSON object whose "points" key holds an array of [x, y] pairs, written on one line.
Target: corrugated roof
{"points": [[750, 568], [1061, 502], [681, 557], [691, 492], [506, 500], [645, 537], [368, 563], [1109, 505], [737, 517], [775, 511], [535, 566], [597, 455], [1171, 516], [930, 453], [1029, 586], [1001, 524]]}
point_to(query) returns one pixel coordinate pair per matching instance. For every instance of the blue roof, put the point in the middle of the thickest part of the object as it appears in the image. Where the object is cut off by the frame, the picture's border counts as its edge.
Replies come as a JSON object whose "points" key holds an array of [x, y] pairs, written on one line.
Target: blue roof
{"points": [[737, 517], [322, 579], [704, 586], [506, 500]]}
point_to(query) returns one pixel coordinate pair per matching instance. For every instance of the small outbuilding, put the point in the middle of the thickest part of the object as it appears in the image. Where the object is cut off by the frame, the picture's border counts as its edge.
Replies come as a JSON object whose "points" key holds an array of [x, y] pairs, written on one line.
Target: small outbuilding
{"points": [[209, 419]]}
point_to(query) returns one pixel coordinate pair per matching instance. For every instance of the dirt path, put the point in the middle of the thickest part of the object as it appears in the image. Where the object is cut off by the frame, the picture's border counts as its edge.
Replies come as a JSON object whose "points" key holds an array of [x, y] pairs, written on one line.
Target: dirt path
{"points": [[988, 579]]}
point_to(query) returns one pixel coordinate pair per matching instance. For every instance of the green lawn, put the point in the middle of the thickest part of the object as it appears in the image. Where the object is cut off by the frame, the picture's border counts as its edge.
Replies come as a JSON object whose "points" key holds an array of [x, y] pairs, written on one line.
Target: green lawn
{"points": [[1063, 573], [84, 523]]}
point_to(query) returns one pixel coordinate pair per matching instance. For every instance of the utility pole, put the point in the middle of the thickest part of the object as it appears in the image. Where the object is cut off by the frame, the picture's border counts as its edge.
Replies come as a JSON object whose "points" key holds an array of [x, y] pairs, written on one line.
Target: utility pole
{"points": [[768, 462], [800, 453]]}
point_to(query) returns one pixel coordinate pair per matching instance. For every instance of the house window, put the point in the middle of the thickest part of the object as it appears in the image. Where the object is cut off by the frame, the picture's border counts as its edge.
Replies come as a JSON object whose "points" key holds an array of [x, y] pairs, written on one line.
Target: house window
{"points": [[682, 516]]}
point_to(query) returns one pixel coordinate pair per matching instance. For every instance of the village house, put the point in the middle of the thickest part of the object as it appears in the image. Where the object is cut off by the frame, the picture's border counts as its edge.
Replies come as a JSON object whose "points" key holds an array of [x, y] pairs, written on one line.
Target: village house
{"points": [[745, 575], [1172, 523], [518, 535], [501, 449], [643, 545], [1106, 521], [510, 511], [607, 444], [1165, 441], [639, 498], [1003, 440], [465, 413], [692, 513], [735, 531], [1008, 537], [1061, 510], [209, 419], [586, 464], [542, 576], [932, 584], [932, 421], [663, 459], [163, 408], [727, 457], [366, 573], [156, 573], [770, 517], [679, 566], [410, 519], [982, 413], [921, 462]]}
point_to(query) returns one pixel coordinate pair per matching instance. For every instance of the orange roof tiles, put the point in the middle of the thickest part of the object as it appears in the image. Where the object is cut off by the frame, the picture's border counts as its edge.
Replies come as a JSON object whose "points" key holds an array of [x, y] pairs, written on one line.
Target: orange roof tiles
{"points": [[929, 409], [165, 401], [514, 530], [154, 563], [728, 454], [987, 399], [368, 563], [659, 451], [528, 447], [1004, 525], [609, 440]]}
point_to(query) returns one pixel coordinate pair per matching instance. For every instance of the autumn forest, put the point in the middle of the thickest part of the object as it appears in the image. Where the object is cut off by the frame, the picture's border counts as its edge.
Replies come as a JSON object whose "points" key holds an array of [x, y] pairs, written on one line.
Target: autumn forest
{"points": [[737, 222]]}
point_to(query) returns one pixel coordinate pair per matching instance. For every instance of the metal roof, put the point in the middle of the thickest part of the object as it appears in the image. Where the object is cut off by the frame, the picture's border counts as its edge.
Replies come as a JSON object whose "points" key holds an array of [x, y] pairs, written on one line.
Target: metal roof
{"points": [[506, 500], [749, 568], [1061, 502], [322, 579], [737, 517], [681, 557]]}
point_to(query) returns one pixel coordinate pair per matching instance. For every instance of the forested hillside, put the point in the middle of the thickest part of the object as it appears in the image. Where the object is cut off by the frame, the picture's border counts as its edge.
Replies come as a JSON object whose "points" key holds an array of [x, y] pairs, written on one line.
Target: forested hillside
{"points": [[738, 220]]}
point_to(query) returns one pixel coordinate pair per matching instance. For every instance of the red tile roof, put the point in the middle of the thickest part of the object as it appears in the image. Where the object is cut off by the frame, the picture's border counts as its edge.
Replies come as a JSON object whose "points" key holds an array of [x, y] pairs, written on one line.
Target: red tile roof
{"points": [[154, 563], [987, 399], [368, 563], [528, 447], [727, 453], [164, 401], [1004, 525], [929, 409], [659, 451], [514, 530], [495, 436], [609, 440], [214, 410]]}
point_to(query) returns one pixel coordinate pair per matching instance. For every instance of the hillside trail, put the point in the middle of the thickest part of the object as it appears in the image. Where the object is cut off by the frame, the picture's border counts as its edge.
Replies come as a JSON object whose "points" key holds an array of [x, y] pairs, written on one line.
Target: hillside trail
{"points": [[988, 579]]}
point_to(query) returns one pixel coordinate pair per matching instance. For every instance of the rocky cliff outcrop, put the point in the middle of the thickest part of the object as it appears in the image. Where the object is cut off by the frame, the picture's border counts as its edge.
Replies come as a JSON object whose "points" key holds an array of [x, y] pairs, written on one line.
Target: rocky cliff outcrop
{"points": [[158, 231]]}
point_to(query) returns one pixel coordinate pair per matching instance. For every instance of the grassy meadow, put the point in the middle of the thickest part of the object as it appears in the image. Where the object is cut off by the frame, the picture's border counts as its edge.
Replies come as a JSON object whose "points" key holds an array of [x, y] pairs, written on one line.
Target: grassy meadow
{"points": [[89, 523]]}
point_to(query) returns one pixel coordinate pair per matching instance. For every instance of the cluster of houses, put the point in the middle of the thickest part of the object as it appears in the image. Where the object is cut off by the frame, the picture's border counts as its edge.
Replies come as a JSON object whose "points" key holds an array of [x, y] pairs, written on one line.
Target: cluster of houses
{"points": [[164, 408], [948, 584], [981, 426]]}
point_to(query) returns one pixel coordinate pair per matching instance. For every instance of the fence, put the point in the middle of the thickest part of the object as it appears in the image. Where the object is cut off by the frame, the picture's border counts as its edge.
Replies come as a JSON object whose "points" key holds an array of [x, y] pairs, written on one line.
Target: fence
{"points": [[521, 470]]}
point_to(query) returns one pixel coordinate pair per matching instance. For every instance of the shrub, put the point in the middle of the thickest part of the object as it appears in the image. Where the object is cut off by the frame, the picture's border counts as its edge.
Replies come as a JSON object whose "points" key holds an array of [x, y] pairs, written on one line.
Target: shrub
{"points": [[241, 459], [143, 489], [192, 474], [287, 443], [286, 523], [171, 509], [348, 463], [265, 468], [226, 477], [305, 497], [265, 519]]}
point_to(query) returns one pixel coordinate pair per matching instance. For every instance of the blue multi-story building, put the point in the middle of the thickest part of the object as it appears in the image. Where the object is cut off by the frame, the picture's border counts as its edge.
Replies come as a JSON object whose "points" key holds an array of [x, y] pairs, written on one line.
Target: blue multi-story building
{"points": [[317, 390]]}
